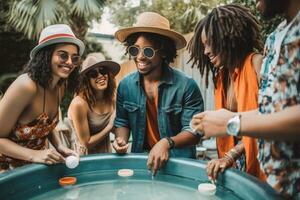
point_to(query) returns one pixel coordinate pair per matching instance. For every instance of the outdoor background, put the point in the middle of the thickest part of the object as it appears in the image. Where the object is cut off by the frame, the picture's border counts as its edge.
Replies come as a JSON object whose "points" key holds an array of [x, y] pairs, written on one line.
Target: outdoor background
{"points": [[22, 20]]}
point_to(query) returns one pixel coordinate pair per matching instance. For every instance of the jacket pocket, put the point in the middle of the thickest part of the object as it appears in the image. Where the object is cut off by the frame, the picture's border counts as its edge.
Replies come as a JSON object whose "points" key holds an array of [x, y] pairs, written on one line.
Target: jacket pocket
{"points": [[132, 110]]}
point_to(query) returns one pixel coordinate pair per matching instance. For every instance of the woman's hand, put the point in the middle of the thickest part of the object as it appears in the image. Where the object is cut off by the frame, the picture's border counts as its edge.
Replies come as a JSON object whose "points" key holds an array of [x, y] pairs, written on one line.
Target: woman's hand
{"points": [[215, 166], [47, 156], [66, 151]]}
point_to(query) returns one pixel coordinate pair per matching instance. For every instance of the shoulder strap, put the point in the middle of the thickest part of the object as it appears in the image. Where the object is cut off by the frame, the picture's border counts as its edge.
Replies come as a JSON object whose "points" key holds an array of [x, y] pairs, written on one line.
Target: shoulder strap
{"points": [[44, 100]]}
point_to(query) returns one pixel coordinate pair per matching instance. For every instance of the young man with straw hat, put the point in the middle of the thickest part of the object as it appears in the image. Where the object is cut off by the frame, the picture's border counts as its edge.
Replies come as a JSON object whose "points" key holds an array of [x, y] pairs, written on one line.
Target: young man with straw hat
{"points": [[157, 102]]}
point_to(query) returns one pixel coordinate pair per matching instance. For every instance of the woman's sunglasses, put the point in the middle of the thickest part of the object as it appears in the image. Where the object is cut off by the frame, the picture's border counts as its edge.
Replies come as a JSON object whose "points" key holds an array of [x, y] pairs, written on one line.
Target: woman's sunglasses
{"points": [[93, 73], [64, 57], [148, 52]]}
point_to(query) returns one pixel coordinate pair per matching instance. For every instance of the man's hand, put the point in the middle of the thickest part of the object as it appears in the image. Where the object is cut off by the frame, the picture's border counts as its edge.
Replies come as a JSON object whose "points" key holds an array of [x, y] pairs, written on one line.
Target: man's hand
{"points": [[120, 145], [212, 123], [158, 155]]}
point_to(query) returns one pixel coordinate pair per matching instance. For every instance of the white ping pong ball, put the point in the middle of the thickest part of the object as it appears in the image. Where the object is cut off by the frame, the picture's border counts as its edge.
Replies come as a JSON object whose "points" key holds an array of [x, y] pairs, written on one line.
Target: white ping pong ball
{"points": [[72, 162]]}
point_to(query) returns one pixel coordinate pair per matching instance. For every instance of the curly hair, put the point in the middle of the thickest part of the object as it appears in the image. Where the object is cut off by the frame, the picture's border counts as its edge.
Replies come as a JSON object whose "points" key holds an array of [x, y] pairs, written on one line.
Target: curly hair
{"points": [[85, 90], [167, 45], [39, 67], [40, 71], [232, 33]]}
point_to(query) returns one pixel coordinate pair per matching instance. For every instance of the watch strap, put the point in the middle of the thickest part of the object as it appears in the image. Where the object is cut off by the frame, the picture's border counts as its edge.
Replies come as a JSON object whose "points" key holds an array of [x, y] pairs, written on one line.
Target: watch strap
{"points": [[171, 142]]}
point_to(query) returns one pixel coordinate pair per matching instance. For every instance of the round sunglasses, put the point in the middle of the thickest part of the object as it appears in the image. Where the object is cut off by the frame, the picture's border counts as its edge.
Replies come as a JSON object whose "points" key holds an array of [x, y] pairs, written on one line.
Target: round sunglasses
{"points": [[93, 73], [148, 52], [64, 57]]}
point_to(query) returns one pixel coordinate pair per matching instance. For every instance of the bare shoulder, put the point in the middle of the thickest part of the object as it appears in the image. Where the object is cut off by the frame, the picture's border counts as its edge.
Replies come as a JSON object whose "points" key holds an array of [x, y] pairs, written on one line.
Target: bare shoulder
{"points": [[257, 62], [15, 100], [23, 85], [78, 104]]}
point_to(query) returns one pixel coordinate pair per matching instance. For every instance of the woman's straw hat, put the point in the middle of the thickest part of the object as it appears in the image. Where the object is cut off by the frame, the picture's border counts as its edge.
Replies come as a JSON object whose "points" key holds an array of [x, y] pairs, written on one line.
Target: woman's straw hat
{"points": [[55, 34], [94, 60], [151, 22]]}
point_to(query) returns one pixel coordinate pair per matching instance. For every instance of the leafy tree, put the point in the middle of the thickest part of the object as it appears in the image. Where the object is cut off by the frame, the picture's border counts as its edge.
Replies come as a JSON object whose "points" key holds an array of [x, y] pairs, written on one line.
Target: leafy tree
{"points": [[31, 16], [14, 50], [182, 14]]}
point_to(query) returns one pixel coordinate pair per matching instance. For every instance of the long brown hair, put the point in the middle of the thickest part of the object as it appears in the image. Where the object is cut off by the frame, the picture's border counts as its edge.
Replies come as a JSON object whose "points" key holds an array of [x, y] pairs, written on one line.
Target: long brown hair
{"points": [[232, 32], [85, 90]]}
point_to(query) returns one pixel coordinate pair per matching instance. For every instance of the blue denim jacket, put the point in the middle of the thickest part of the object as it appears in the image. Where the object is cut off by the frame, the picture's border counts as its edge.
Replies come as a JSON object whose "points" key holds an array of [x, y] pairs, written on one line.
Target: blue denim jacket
{"points": [[179, 98]]}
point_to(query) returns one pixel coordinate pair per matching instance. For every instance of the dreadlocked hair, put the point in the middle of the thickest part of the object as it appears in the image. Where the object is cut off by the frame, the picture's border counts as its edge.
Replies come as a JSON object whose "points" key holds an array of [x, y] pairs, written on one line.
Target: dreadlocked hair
{"points": [[85, 90], [232, 32]]}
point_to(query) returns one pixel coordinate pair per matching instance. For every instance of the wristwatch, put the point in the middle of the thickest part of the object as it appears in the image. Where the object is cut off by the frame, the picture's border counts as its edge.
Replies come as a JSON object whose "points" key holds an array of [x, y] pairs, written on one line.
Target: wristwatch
{"points": [[234, 125], [171, 142]]}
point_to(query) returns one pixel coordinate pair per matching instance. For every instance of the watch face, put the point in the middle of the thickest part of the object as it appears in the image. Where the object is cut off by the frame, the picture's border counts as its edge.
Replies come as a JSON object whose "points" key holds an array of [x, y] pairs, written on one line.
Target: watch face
{"points": [[233, 127]]}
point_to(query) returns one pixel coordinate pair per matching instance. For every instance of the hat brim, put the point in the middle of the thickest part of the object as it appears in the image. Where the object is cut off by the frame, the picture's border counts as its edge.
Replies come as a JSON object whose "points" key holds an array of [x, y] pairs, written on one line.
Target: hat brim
{"points": [[112, 66], [179, 40], [75, 41]]}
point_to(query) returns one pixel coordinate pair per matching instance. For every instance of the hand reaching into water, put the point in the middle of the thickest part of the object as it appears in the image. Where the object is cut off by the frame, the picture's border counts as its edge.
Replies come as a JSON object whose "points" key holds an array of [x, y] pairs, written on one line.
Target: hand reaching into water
{"points": [[158, 156]]}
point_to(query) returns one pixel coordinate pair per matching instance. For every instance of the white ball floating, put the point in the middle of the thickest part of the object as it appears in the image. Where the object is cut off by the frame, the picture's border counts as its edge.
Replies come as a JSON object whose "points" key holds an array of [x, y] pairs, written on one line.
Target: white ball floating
{"points": [[72, 162], [207, 189], [125, 172]]}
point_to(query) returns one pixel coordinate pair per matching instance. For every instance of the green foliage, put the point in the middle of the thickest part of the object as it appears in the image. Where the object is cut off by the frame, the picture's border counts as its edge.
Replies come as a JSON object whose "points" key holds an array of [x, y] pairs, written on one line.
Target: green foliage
{"points": [[5, 81], [93, 46], [183, 15], [268, 26], [30, 17], [64, 105], [14, 50]]}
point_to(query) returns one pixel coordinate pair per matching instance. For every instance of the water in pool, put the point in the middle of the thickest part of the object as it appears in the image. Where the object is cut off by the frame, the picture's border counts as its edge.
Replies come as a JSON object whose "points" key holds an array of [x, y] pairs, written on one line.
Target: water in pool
{"points": [[138, 187]]}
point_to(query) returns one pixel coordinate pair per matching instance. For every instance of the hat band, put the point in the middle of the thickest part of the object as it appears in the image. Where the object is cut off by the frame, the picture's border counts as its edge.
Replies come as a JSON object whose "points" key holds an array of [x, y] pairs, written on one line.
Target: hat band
{"points": [[56, 36]]}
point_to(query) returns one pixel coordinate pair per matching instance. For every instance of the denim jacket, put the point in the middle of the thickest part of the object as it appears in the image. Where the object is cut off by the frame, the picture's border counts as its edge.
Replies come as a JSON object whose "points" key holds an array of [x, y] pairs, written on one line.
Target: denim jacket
{"points": [[179, 98]]}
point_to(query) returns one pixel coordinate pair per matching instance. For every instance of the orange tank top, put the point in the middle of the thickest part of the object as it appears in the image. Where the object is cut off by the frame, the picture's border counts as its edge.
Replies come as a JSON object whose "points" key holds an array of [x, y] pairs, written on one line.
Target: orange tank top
{"points": [[246, 92]]}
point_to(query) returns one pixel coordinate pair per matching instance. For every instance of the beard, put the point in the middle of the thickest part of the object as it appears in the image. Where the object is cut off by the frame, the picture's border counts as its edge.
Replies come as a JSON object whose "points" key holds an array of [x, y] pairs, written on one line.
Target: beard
{"points": [[273, 8]]}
